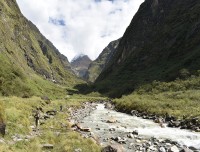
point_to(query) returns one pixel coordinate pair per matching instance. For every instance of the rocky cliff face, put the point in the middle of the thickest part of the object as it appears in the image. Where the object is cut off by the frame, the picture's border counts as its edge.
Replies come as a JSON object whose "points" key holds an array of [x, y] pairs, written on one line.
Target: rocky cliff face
{"points": [[25, 54], [96, 67], [80, 65], [161, 42]]}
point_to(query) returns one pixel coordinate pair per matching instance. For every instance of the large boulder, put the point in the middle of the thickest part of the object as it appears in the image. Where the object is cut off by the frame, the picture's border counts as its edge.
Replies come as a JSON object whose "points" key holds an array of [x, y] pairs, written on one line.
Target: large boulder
{"points": [[185, 149], [173, 149], [113, 148]]}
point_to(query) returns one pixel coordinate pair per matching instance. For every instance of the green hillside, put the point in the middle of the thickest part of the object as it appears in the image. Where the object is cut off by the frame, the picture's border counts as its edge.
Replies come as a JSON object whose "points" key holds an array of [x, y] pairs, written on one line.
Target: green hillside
{"points": [[161, 43], [30, 64]]}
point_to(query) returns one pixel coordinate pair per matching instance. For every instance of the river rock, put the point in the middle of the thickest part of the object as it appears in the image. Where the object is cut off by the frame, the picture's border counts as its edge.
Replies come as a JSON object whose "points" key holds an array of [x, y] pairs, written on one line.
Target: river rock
{"points": [[135, 132], [185, 149], [134, 112], [151, 149], [162, 149], [130, 135], [122, 141], [173, 149], [192, 148], [108, 106], [111, 120], [158, 120], [113, 148], [111, 129]]}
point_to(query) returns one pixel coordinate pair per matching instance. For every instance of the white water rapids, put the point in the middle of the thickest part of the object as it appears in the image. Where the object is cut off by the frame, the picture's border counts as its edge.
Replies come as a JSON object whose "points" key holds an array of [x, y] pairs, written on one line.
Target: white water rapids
{"points": [[147, 128]]}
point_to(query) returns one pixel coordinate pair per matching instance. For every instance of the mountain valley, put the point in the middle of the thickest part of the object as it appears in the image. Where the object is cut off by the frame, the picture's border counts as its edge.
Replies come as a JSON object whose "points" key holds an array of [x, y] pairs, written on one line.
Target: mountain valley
{"points": [[140, 94]]}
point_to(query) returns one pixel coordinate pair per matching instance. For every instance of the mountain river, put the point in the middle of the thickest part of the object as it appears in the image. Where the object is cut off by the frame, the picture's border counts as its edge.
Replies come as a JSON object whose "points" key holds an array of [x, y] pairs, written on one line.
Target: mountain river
{"points": [[127, 123]]}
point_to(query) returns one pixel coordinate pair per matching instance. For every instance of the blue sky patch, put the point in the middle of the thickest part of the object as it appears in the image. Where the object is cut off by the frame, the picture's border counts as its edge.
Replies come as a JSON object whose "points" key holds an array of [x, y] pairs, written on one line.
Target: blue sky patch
{"points": [[58, 22]]}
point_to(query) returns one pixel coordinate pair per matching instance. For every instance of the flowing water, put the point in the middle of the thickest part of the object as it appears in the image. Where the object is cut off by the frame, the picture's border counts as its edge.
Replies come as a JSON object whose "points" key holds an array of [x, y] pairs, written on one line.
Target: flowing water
{"points": [[126, 123]]}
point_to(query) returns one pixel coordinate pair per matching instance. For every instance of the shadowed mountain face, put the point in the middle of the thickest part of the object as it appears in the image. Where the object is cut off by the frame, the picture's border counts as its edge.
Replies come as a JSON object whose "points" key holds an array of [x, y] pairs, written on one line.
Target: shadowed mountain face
{"points": [[96, 67], [80, 65], [161, 43], [26, 55]]}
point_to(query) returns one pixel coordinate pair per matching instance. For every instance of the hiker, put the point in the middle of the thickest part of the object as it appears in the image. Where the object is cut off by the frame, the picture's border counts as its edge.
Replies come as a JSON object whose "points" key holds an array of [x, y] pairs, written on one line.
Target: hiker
{"points": [[37, 117], [61, 107]]}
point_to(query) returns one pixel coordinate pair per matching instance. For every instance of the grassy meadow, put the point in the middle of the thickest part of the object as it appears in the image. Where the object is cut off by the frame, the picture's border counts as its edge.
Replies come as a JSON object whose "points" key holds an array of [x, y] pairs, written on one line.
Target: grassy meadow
{"points": [[178, 98], [18, 116]]}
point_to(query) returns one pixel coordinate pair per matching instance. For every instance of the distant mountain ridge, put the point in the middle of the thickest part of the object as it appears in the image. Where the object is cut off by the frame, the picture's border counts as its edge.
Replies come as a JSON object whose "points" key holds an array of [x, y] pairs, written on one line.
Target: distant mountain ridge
{"points": [[77, 57], [80, 65], [96, 67], [161, 42]]}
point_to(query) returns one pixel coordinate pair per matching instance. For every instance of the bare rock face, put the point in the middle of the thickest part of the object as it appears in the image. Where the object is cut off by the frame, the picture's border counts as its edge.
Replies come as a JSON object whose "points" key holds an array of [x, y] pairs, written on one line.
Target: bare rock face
{"points": [[2, 128]]}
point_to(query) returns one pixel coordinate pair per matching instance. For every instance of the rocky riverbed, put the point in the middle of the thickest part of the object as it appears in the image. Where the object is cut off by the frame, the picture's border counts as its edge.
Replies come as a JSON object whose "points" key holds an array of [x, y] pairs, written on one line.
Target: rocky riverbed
{"points": [[121, 132]]}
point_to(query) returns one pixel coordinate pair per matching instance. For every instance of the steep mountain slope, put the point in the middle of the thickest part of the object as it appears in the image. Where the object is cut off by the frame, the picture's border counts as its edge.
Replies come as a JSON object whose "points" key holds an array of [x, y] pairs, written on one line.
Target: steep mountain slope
{"points": [[80, 65], [96, 67], [161, 43], [27, 58]]}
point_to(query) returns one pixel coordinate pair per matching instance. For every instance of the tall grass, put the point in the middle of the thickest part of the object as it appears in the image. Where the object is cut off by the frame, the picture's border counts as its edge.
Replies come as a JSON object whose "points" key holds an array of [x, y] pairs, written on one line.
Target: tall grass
{"points": [[179, 98]]}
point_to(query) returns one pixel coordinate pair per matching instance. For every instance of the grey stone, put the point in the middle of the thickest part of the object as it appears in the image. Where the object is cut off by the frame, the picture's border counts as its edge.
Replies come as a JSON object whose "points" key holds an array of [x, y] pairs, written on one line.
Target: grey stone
{"points": [[130, 135], [135, 132], [173, 149], [112, 129], [186, 150], [47, 146], [192, 148], [78, 150], [162, 149], [113, 148]]}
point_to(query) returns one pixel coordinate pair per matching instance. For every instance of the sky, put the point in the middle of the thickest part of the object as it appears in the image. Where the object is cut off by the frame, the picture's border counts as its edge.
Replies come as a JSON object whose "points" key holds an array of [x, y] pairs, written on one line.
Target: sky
{"points": [[80, 26]]}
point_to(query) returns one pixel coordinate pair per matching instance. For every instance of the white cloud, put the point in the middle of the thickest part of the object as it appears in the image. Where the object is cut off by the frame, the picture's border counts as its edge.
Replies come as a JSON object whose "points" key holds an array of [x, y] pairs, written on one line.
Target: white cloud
{"points": [[80, 26]]}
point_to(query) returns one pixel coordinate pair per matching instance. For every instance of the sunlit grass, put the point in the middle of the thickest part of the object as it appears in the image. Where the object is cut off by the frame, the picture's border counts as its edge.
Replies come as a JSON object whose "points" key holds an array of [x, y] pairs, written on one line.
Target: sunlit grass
{"points": [[179, 98], [19, 117]]}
